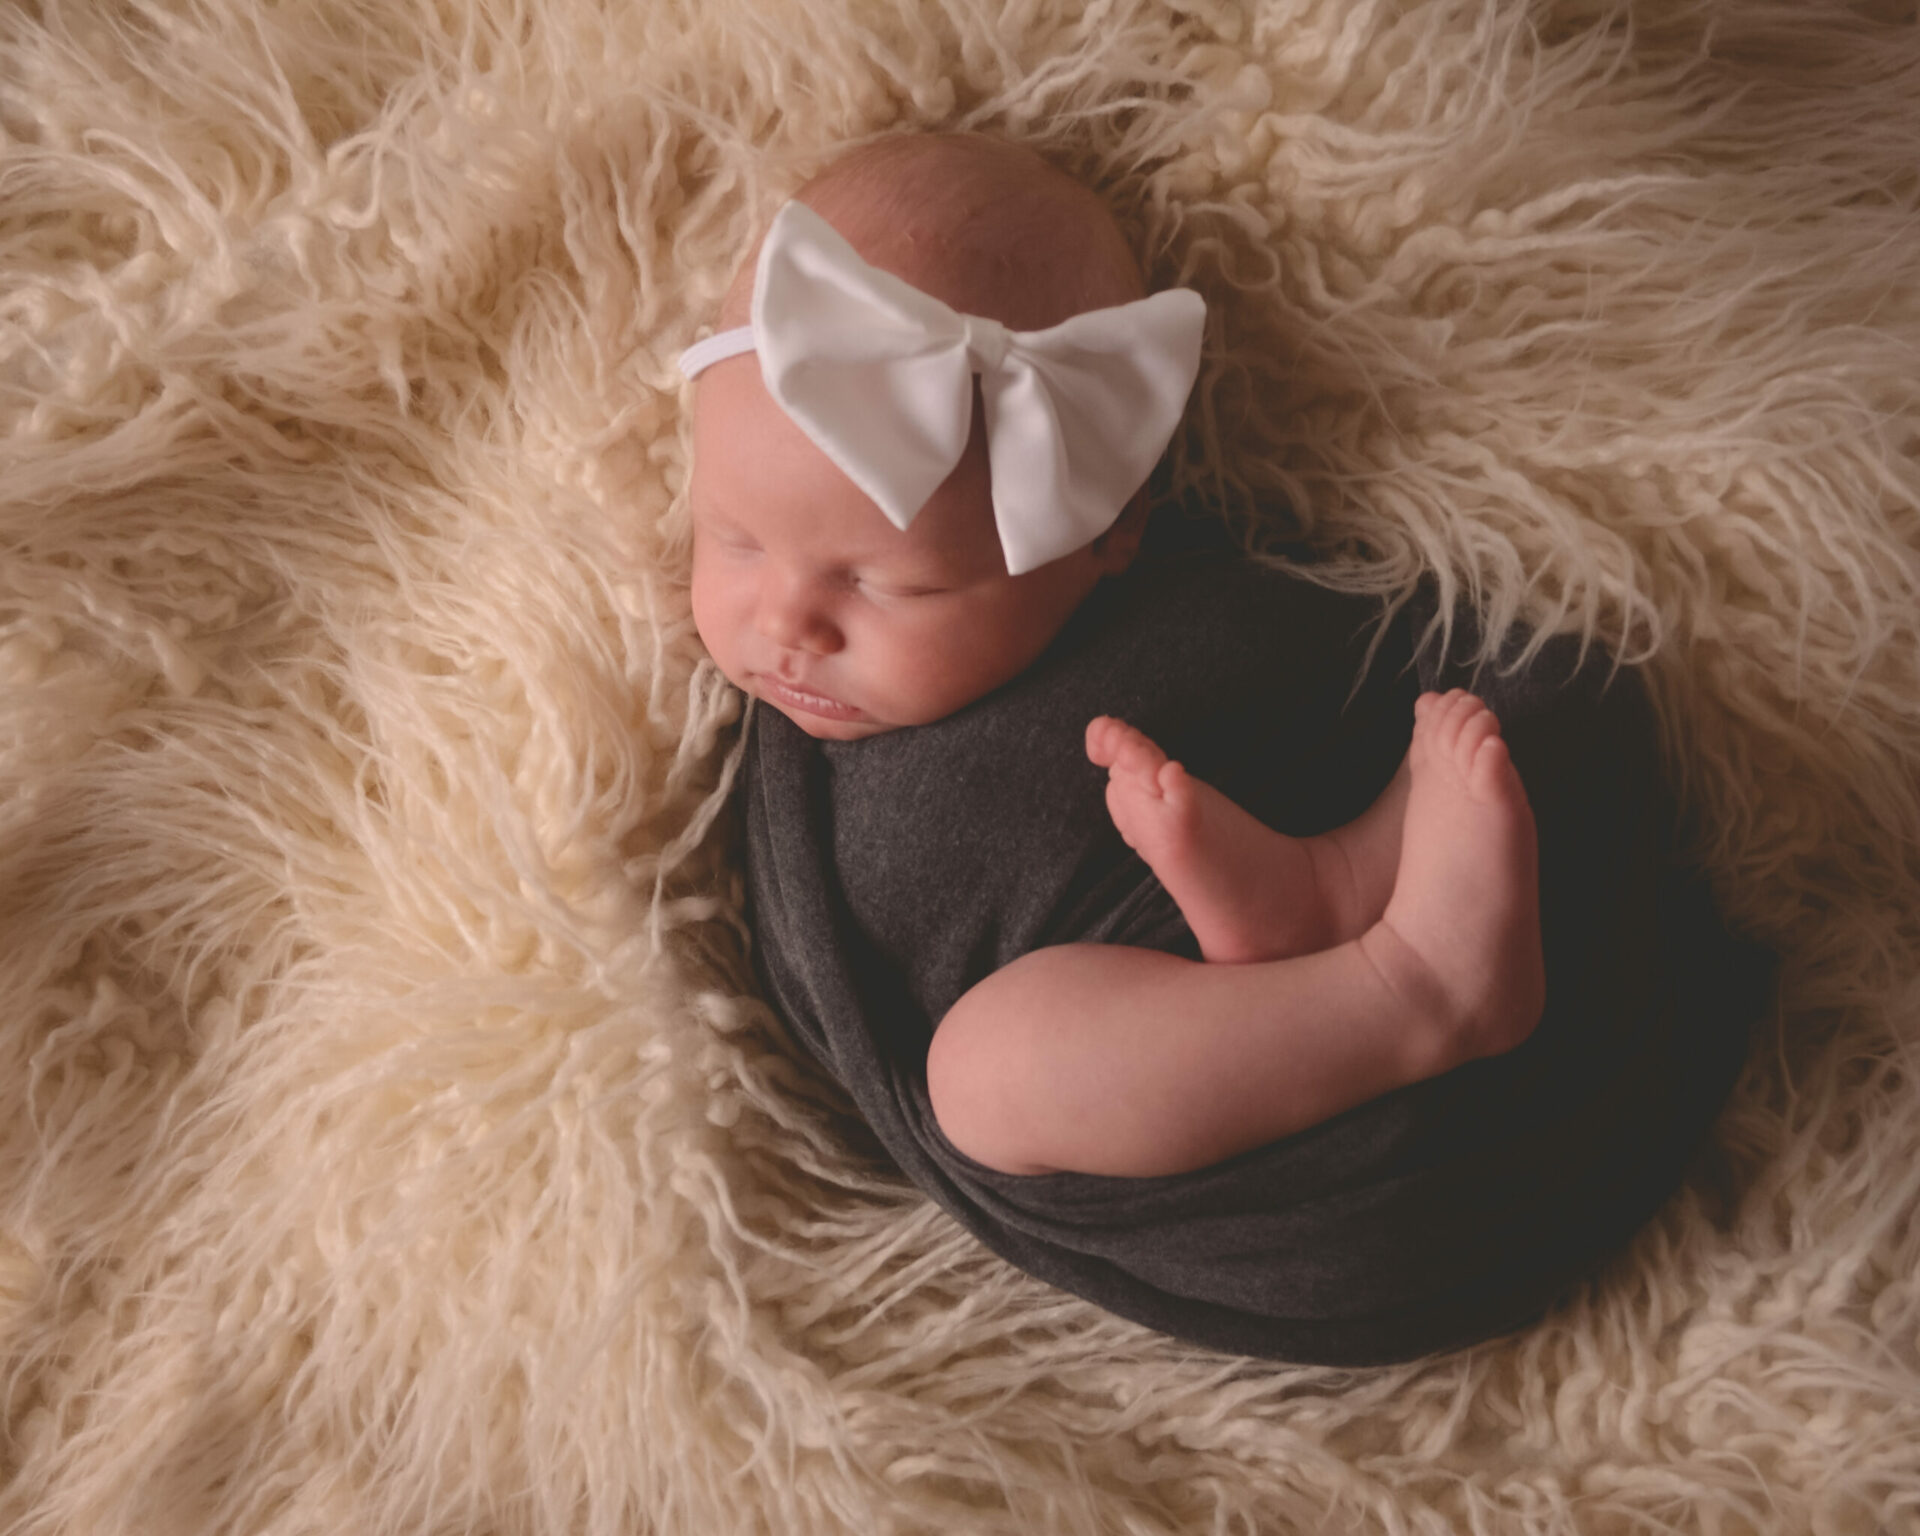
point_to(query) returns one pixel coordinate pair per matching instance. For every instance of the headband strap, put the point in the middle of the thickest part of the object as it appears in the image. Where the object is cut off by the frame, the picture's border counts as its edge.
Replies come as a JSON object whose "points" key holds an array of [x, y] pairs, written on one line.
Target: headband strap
{"points": [[717, 348]]}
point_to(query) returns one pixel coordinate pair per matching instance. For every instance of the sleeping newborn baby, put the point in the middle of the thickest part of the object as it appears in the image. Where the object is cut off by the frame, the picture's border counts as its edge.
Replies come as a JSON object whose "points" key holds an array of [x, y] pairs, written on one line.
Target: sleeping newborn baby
{"points": [[1097, 1005]]}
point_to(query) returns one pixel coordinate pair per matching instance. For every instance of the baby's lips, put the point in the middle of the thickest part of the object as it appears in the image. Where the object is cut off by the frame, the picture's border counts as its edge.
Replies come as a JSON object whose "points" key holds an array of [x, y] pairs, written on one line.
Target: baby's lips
{"points": [[820, 704]]}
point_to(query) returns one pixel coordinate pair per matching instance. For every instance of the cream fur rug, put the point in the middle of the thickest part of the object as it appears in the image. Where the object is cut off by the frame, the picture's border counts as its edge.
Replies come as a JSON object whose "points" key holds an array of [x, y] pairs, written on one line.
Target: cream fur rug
{"points": [[391, 1140]]}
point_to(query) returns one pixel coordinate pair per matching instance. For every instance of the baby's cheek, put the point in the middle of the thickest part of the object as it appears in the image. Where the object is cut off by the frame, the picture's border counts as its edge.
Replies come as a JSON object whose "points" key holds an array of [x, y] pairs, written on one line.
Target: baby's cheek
{"points": [[942, 672], [709, 612]]}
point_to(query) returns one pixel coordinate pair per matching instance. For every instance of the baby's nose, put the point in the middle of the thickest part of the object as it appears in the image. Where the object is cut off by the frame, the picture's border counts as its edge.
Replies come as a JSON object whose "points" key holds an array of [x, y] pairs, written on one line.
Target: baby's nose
{"points": [[791, 615]]}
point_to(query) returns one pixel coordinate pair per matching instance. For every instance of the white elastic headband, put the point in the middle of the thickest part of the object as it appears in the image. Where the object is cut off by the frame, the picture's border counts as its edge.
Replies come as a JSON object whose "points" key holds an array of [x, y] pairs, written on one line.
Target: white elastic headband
{"points": [[880, 377]]}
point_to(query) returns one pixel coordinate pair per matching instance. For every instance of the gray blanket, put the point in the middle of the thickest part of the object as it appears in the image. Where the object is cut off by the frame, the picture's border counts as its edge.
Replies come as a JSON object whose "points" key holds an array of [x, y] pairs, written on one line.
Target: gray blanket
{"points": [[887, 876]]}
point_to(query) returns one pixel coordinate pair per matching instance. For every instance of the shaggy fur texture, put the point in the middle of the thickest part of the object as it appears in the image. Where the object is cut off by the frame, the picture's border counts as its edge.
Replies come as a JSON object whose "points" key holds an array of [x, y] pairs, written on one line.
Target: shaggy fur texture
{"points": [[390, 1140]]}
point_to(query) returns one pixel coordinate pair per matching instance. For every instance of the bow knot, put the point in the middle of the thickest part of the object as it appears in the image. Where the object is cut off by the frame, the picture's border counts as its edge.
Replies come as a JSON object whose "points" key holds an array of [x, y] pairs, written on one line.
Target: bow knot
{"points": [[986, 342], [880, 377]]}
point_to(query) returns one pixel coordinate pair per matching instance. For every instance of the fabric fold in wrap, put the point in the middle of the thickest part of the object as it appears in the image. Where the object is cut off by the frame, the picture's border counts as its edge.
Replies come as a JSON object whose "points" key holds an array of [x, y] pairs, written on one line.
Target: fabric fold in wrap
{"points": [[887, 876]]}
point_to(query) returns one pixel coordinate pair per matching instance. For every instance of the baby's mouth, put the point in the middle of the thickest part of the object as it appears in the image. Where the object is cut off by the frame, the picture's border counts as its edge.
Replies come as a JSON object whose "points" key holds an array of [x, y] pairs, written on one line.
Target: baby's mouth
{"points": [[789, 697]]}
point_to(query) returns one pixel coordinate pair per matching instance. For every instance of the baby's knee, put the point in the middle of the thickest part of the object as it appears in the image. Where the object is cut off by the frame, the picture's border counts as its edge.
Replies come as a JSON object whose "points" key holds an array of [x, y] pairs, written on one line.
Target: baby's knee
{"points": [[970, 1068]]}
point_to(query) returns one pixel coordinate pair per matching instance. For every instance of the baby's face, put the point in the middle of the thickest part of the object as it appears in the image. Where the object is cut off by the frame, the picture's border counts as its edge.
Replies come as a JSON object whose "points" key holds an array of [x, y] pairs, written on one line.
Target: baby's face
{"points": [[810, 600]]}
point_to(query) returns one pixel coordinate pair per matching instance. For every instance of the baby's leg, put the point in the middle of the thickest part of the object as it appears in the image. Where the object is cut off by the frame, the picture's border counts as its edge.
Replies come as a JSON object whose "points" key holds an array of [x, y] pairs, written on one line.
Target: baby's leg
{"points": [[1107, 1059], [1248, 892]]}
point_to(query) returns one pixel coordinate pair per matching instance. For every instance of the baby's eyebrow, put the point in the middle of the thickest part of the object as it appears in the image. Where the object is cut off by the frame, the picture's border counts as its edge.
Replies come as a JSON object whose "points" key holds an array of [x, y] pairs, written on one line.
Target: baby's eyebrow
{"points": [[916, 570], [704, 512]]}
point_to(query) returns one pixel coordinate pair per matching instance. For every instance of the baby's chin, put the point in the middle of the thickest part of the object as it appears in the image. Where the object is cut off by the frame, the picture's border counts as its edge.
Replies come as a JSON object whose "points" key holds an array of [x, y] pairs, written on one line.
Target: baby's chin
{"points": [[835, 730]]}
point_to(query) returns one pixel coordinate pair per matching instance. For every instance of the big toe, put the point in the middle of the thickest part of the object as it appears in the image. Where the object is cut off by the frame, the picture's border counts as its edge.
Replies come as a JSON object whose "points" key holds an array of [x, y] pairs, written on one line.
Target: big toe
{"points": [[1129, 751]]}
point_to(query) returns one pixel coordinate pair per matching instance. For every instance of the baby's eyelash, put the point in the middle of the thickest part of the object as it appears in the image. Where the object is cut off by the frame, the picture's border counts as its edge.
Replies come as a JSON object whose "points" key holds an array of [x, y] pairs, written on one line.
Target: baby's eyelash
{"points": [[890, 589]]}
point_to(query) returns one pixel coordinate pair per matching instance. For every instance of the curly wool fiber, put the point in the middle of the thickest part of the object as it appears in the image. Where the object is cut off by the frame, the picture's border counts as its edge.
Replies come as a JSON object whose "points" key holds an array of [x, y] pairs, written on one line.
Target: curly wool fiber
{"points": [[390, 1138]]}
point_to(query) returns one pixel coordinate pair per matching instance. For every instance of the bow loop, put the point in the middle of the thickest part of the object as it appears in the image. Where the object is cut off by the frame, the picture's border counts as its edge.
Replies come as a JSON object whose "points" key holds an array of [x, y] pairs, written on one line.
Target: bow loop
{"points": [[880, 377]]}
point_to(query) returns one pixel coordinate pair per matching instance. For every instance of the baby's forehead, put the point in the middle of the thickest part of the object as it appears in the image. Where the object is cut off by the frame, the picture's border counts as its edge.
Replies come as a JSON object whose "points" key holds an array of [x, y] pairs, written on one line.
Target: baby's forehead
{"points": [[927, 250], [985, 226], [755, 470]]}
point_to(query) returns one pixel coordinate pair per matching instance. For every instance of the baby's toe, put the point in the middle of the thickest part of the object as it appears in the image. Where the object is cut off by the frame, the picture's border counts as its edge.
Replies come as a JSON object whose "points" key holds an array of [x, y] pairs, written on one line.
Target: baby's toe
{"points": [[1490, 772], [1176, 787], [1477, 723], [1458, 725], [1132, 752], [1433, 726]]}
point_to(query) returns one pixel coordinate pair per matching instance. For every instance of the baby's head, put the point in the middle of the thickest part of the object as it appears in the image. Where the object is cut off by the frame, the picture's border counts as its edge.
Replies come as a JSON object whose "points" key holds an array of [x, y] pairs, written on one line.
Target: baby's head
{"points": [[806, 594]]}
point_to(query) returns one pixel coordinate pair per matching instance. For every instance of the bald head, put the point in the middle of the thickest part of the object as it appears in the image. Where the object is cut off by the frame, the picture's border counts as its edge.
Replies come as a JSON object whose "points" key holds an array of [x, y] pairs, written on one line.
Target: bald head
{"points": [[985, 226]]}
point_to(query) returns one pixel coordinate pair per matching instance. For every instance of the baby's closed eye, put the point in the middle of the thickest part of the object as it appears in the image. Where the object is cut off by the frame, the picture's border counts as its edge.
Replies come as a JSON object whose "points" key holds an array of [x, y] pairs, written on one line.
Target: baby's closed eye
{"points": [[895, 590]]}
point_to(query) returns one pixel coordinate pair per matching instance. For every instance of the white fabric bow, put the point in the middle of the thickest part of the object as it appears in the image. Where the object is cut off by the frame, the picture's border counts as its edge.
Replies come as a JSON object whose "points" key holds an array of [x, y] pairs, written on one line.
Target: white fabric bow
{"points": [[880, 376]]}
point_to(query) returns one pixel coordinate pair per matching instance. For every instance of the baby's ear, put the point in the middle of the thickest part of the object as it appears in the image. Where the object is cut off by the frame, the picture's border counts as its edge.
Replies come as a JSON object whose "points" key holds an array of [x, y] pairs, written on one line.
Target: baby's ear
{"points": [[1114, 550]]}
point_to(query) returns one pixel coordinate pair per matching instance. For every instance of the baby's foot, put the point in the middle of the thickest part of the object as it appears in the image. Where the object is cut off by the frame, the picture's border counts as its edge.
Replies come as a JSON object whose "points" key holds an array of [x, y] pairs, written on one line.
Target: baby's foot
{"points": [[1460, 938], [1247, 891]]}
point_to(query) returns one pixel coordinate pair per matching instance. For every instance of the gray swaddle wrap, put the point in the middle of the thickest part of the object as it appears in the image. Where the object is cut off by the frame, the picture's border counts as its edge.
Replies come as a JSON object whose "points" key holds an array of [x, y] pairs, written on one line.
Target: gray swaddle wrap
{"points": [[887, 876]]}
